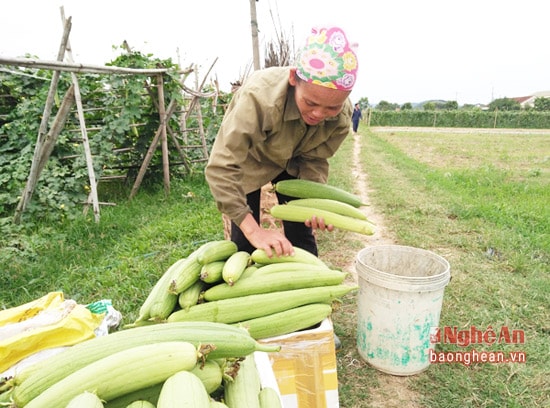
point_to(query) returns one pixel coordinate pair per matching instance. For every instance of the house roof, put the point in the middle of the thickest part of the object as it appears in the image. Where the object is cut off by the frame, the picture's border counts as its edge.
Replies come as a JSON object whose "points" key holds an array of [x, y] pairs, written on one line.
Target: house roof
{"points": [[530, 100], [522, 99]]}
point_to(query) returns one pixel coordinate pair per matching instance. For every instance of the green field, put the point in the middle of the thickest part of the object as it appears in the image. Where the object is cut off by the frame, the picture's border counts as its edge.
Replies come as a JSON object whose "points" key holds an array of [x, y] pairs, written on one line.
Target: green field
{"points": [[479, 199]]}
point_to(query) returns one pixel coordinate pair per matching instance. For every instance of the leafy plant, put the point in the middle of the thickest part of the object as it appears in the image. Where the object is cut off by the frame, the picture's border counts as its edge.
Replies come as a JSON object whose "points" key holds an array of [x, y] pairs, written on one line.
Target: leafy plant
{"points": [[121, 117]]}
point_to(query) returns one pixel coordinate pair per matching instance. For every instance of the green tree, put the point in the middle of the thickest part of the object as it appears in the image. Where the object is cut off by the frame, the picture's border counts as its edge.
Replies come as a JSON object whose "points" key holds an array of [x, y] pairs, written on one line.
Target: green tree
{"points": [[429, 106], [504, 104], [386, 106], [363, 103], [450, 105], [542, 104], [406, 106]]}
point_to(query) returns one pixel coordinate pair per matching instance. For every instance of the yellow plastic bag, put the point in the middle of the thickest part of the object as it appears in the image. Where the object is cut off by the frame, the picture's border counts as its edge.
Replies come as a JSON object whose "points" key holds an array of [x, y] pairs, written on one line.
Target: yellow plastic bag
{"points": [[31, 309], [46, 323]]}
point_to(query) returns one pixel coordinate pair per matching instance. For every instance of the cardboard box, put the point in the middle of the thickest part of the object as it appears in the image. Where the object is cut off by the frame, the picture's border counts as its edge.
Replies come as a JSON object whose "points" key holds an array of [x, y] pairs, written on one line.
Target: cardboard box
{"points": [[305, 368]]}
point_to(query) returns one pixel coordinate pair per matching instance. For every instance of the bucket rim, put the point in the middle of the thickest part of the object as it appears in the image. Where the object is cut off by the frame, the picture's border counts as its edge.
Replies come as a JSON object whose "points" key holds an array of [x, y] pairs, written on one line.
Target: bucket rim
{"points": [[442, 278]]}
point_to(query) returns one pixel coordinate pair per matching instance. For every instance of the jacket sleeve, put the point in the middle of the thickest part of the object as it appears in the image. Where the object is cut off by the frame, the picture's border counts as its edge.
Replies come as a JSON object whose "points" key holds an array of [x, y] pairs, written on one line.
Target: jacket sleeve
{"points": [[223, 171]]}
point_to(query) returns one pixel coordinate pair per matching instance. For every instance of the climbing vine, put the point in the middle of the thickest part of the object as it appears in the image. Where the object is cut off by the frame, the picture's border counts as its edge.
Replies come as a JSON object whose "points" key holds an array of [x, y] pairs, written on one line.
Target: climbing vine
{"points": [[121, 116]]}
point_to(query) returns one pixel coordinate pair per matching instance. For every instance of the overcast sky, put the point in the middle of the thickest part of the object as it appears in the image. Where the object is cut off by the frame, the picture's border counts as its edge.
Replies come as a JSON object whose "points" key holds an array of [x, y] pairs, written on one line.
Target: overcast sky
{"points": [[471, 51]]}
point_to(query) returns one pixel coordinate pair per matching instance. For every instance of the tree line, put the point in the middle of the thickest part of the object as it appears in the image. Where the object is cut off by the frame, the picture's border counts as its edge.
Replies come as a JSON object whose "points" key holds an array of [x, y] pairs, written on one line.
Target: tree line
{"points": [[541, 104]]}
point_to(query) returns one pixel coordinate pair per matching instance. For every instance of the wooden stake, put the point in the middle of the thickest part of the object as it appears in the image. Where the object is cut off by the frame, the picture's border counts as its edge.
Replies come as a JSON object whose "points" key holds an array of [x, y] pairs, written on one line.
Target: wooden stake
{"points": [[150, 151], [163, 138], [254, 30], [34, 173], [195, 104], [181, 153], [58, 124], [200, 121], [78, 68], [85, 141]]}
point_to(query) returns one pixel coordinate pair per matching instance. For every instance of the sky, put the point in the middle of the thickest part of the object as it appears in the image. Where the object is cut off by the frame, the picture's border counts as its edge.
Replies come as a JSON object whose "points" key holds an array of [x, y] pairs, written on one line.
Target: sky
{"points": [[469, 51]]}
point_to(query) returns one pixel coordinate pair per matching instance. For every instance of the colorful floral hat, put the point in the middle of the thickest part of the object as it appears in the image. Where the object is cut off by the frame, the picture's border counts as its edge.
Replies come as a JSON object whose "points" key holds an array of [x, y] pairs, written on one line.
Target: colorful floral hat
{"points": [[328, 59]]}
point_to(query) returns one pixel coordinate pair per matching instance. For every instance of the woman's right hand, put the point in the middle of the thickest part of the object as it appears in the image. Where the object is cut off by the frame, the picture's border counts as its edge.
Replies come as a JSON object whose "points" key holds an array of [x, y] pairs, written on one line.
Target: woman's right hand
{"points": [[273, 242]]}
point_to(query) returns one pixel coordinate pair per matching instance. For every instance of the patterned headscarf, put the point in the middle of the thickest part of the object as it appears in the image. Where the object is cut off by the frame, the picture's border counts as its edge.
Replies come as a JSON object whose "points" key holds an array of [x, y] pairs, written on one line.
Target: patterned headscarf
{"points": [[328, 59]]}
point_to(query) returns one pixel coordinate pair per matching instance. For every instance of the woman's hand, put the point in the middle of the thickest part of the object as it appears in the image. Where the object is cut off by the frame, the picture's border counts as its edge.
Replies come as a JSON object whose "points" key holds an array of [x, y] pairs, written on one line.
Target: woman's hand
{"points": [[272, 242], [319, 223]]}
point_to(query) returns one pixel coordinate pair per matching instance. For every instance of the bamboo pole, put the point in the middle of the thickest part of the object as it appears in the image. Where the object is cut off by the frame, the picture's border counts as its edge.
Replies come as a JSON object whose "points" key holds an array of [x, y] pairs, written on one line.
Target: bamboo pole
{"points": [[85, 141], [78, 68], [150, 151], [34, 173], [198, 94], [58, 124], [182, 154], [195, 104], [200, 122], [163, 138], [254, 30], [205, 154]]}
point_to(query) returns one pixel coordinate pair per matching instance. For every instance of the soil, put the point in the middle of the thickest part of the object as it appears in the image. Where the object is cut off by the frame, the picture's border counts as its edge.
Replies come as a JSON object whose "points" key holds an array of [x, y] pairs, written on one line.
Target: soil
{"points": [[392, 391]]}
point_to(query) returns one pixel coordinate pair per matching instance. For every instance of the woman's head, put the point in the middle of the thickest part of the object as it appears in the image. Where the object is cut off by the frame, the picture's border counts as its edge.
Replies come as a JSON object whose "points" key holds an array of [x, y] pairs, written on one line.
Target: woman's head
{"points": [[328, 59], [325, 72], [316, 103]]}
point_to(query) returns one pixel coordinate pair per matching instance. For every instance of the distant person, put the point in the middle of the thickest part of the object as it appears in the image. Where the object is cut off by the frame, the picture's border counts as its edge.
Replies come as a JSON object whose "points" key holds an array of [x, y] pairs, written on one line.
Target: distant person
{"points": [[356, 117], [283, 123]]}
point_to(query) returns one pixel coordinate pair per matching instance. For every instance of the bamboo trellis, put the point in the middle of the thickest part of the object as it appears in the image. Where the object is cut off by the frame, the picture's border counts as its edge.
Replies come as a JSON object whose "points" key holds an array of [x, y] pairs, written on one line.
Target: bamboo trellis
{"points": [[46, 139], [82, 122]]}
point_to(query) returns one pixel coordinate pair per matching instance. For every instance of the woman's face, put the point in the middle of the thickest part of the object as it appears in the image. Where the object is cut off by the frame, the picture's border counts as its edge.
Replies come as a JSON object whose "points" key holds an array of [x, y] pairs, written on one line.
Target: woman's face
{"points": [[316, 102]]}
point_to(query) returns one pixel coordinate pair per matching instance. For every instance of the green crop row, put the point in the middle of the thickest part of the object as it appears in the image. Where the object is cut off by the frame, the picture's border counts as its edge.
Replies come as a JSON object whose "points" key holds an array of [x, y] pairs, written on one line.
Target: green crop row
{"points": [[461, 118]]}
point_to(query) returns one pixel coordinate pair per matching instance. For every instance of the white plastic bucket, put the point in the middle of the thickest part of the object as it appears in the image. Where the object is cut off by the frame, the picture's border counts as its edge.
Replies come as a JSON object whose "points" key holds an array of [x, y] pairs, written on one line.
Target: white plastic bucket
{"points": [[400, 299]]}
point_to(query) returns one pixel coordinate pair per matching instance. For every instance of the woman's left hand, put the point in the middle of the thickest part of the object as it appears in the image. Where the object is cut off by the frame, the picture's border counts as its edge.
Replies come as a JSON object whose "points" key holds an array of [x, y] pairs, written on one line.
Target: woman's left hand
{"points": [[319, 223]]}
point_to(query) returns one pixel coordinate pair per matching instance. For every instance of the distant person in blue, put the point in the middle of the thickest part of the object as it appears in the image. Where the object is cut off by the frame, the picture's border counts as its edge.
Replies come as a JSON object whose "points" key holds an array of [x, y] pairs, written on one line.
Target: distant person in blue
{"points": [[356, 117]]}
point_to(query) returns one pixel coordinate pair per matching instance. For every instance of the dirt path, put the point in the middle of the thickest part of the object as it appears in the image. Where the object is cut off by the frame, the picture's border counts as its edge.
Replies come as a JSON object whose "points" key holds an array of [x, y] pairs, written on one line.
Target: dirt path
{"points": [[393, 391], [381, 236]]}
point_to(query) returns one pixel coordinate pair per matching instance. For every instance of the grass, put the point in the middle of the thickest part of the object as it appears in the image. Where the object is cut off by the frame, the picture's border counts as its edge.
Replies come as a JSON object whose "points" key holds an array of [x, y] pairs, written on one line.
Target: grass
{"points": [[479, 200], [475, 199], [118, 258]]}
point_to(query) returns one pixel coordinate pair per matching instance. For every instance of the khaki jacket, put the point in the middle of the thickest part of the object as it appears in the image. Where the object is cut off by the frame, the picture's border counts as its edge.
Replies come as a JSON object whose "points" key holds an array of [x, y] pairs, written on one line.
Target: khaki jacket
{"points": [[262, 135]]}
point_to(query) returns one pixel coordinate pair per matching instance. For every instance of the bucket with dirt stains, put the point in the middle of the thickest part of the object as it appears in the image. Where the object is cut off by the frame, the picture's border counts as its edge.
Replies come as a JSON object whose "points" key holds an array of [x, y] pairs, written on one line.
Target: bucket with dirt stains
{"points": [[399, 304]]}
